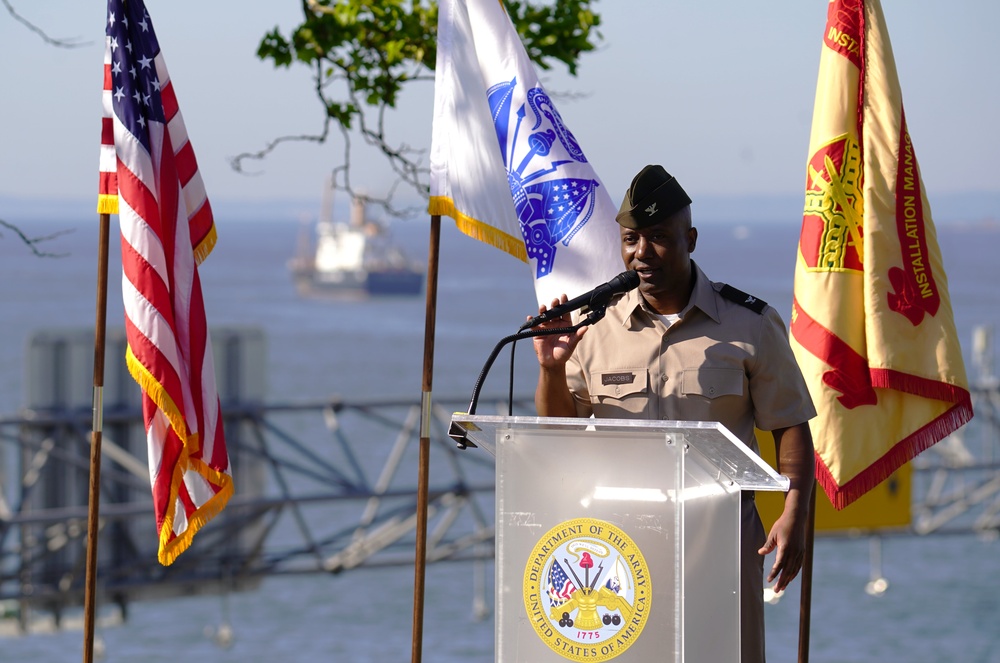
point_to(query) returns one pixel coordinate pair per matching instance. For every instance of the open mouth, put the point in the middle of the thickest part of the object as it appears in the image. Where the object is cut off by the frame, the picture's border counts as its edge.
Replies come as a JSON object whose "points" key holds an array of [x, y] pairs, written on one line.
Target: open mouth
{"points": [[644, 272]]}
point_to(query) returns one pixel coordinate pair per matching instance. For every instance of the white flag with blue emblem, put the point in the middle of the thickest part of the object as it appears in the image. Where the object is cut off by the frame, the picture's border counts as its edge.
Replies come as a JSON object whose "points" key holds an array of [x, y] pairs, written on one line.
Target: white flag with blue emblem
{"points": [[505, 166]]}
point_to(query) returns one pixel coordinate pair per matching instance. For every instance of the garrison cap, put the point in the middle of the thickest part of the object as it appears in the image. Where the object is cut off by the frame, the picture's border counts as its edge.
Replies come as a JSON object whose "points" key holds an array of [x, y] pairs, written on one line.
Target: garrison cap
{"points": [[654, 196]]}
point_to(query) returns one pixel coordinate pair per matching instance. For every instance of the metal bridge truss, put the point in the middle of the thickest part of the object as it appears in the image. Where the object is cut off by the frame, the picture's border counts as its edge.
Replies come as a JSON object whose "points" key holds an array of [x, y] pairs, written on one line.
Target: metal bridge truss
{"points": [[320, 487], [323, 487], [957, 481]]}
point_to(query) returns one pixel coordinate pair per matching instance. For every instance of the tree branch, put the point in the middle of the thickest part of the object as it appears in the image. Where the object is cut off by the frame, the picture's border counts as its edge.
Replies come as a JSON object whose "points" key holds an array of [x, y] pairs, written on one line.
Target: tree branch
{"points": [[32, 242], [61, 43], [376, 49]]}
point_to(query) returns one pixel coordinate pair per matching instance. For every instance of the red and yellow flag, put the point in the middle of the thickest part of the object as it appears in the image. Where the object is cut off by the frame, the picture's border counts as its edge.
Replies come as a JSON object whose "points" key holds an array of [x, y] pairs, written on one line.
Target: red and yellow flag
{"points": [[872, 326]]}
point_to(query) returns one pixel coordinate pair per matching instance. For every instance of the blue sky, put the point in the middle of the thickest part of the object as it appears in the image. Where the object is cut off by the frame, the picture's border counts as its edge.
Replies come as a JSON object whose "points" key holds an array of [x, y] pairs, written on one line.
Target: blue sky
{"points": [[721, 93]]}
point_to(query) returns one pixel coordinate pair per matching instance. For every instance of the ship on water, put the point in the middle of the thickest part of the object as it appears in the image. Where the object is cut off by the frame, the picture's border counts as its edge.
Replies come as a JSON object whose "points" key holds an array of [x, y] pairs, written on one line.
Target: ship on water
{"points": [[357, 257]]}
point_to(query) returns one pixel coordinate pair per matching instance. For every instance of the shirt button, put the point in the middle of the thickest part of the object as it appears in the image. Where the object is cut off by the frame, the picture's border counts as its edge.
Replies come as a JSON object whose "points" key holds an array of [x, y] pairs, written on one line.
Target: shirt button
{"points": [[711, 390], [664, 378], [618, 390]]}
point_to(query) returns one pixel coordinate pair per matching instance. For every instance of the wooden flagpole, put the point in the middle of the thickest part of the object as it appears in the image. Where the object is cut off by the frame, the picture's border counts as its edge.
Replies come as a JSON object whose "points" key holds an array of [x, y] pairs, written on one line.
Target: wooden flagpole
{"points": [[425, 438], [805, 598], [100, 325]]}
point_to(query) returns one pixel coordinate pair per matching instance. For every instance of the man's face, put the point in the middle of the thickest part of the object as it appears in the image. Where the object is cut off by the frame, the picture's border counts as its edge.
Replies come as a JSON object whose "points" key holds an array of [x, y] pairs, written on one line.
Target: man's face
{"points": [[661, 254]]}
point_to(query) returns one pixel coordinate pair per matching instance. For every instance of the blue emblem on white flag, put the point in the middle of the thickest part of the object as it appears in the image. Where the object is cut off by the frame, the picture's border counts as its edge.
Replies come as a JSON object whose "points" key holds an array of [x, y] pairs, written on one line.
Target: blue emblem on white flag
{"points": [[551, 208], [537, 197]]}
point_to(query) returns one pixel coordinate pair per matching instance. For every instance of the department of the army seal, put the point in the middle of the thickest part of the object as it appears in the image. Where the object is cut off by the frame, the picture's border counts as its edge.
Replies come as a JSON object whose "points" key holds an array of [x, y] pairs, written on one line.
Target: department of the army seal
{"points": [[587, 590]]}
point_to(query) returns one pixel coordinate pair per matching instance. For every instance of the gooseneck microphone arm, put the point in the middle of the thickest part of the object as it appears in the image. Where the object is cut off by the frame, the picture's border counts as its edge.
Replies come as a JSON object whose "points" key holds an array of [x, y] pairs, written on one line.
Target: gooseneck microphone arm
{"points": [[595, 303], [592, 317]]}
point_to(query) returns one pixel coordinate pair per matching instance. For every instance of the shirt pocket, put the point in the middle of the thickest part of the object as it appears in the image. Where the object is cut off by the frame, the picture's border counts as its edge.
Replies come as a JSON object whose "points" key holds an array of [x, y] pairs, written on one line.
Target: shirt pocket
{"points": [[712, 383], [620, 393]]}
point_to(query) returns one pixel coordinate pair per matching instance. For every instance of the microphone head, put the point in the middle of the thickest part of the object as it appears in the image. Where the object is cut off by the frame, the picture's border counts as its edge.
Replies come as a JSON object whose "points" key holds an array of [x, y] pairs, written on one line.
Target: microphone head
{"points": [[629, 280], [595, 299], [624, 282]]}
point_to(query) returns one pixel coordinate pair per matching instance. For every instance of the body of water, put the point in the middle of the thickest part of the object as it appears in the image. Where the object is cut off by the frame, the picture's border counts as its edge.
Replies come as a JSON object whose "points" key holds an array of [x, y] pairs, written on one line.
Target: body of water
{"points": [[943, 601]]}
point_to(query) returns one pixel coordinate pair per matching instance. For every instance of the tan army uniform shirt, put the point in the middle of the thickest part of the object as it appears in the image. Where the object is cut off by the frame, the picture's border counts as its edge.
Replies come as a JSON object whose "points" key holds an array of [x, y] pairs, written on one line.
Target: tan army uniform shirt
{"points": [[722, 361]]}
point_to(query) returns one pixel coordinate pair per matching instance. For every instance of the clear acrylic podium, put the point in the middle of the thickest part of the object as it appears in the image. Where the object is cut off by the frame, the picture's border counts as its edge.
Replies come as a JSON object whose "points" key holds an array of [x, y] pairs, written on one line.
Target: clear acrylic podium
{"points": [[617, 539]]}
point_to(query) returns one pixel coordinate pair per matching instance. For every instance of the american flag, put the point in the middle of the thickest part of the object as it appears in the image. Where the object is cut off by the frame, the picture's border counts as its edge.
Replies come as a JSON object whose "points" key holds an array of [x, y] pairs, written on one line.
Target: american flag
{"points": [[149, 177], [560, 586]]}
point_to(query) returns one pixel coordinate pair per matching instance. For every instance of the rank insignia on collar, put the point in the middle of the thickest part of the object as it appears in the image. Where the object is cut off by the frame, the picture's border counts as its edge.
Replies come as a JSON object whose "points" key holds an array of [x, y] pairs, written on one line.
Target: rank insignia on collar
{"points": [[742, 298]]}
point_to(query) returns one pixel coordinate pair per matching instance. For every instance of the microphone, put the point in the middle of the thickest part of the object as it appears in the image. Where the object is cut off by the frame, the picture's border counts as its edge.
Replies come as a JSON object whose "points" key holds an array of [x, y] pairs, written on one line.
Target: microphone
{"points": [[595, 299]]}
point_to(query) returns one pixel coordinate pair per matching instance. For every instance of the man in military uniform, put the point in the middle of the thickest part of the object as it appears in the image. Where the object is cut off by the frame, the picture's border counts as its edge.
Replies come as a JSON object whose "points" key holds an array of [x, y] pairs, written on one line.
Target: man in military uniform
{"points": [[681, 347]]}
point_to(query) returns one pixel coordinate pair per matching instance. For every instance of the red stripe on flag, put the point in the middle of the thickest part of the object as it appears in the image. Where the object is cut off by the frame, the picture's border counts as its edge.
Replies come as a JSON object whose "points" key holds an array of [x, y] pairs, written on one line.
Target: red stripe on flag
{"points": [[185, 499], [169, 199], [201, 224], [220, 456], [187, 165], [147, 281], [156, 364], [107, 131], [170, 107], [139, 198], [198, 343], [107, 184], [172, 449]]}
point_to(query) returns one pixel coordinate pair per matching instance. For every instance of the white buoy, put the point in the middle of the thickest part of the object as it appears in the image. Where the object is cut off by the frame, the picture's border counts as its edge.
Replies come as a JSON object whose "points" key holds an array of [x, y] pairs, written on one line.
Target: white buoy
{"points": [[877, 584]]}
